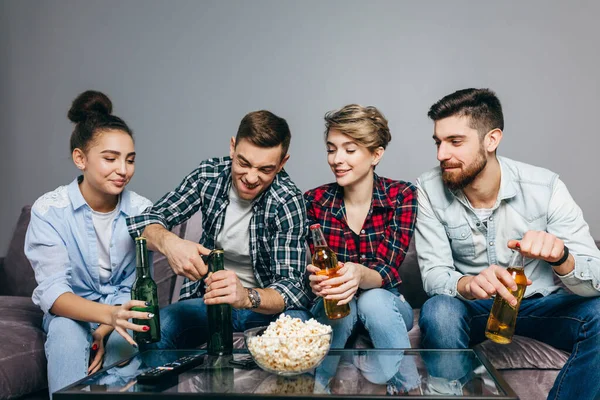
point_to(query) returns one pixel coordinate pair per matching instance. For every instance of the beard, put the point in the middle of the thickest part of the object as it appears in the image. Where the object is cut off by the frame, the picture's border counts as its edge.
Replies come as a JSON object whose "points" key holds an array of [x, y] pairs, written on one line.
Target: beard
{"points": [[460, 180]]}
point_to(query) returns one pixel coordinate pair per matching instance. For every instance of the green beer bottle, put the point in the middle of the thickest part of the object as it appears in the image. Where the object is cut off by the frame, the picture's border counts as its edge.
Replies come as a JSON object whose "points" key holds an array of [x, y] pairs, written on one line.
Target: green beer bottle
{"points": [[144, 289], [220, 324]]}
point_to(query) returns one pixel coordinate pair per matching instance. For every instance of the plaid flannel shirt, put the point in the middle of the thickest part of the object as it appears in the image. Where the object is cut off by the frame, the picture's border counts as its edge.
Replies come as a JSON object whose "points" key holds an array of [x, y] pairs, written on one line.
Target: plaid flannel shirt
{"points": [[386, 232], [277, 228]]}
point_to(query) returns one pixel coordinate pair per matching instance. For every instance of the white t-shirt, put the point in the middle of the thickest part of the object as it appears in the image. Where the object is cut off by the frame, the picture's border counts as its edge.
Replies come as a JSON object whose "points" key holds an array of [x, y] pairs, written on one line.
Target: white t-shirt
{"points": [[234, 239], [483, 213], [103, 225]]}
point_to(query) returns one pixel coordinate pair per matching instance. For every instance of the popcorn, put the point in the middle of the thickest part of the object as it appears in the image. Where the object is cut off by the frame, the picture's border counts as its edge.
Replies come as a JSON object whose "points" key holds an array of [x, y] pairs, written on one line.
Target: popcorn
{"points": [[291, 345]]}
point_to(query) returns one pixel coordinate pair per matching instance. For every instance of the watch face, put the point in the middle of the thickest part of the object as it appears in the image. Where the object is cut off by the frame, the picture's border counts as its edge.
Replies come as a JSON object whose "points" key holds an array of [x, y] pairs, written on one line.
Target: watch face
{"points": [[254, 298]]}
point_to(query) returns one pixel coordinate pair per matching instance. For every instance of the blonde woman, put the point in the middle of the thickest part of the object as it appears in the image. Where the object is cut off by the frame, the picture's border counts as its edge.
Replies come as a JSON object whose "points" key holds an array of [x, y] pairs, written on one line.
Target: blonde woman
{"points": [[368, 221]]}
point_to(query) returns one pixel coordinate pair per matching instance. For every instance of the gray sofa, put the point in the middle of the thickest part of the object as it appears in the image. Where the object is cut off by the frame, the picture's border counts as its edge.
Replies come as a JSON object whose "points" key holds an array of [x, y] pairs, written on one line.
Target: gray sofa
{"points": [[530, 367]]}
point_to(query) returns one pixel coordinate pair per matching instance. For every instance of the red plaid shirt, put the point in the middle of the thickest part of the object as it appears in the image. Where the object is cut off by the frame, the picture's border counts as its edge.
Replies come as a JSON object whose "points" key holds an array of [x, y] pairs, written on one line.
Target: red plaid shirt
{"points": [[386, 232]]}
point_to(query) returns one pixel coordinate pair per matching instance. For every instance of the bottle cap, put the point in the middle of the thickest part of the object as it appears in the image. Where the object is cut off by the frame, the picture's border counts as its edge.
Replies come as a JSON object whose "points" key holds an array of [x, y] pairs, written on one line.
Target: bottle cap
{"points": [[315, 226]]}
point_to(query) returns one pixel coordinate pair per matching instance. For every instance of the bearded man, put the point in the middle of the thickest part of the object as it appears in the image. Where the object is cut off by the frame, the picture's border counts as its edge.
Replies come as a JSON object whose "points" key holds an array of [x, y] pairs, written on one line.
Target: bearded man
{"points": [[473, 210]]}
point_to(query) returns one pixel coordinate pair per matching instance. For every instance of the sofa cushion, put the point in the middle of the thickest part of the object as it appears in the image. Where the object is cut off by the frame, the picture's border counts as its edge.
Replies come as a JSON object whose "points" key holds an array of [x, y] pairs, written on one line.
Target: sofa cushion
{"points": [[523, 353], [18, 278], [412, 285], [22, 358]]}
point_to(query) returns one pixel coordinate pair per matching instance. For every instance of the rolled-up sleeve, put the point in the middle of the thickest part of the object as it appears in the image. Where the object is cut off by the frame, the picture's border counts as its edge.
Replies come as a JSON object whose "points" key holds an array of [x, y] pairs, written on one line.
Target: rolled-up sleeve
{"points": [[565, 221], [49, 258], [433, 250]]}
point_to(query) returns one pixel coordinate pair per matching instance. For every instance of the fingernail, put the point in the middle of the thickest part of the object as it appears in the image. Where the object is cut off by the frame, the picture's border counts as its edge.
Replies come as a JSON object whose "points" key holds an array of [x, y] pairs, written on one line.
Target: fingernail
{"points": [[145, 328], [513, 303], [518, 246], [95, 347], [135, 345], [150, 315], [147, 304]]}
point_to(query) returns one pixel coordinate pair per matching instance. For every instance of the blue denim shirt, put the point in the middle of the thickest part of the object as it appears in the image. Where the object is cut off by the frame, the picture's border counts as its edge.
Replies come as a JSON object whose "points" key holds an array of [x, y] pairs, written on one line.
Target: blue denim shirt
{"points": [[452, 242], [61, 246]]}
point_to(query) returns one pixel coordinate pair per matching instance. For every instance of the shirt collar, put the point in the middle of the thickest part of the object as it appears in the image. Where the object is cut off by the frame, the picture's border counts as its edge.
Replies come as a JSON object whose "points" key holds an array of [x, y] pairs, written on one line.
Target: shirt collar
{"points": [[335, 196], [508, 186], [77, 200]]}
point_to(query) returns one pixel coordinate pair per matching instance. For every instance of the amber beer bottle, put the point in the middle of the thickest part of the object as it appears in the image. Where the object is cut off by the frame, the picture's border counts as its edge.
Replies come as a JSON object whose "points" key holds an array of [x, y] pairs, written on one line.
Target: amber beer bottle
{"points": [[503, 317], [325, 259], [144, 289], [220, 323]]}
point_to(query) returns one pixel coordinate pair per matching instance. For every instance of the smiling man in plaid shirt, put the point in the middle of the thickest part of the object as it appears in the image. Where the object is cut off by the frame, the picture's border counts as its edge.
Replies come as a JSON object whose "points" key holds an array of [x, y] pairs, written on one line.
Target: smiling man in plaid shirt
{"points": [[252, 210]]}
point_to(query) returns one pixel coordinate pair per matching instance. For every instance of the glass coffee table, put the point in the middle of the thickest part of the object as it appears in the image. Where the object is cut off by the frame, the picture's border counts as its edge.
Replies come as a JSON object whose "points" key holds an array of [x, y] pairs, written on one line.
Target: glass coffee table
{"points": [[350, 373]]}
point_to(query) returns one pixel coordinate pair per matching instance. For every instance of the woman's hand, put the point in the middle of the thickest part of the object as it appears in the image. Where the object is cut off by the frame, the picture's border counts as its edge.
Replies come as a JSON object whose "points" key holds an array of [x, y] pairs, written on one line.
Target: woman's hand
{"points": [[344, 286], [315, 280], [122, 314], [97, 351]]}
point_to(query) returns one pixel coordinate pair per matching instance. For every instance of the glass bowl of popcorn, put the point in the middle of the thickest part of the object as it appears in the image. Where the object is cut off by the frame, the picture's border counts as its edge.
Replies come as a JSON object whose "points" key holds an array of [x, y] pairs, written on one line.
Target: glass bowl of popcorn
{"points": [[289, 346]]}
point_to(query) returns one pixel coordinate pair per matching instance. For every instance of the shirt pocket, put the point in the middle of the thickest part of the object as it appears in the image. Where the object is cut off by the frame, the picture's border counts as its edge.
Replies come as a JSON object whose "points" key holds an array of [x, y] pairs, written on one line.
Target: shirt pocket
{"points": [[461, 240]]}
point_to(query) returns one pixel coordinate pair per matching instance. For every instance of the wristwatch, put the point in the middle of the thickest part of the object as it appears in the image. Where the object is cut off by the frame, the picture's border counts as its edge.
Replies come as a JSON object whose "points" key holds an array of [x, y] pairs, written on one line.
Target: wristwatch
{"points": [[254, 297]]}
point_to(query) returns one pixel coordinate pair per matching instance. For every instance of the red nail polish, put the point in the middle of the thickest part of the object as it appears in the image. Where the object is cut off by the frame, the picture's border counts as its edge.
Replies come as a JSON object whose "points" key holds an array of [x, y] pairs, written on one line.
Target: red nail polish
{"points": [[145, 328], [95, 347]]}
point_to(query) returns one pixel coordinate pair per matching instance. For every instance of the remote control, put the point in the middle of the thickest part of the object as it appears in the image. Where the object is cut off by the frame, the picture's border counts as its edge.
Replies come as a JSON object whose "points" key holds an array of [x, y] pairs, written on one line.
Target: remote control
{"points": [[173, 368]]}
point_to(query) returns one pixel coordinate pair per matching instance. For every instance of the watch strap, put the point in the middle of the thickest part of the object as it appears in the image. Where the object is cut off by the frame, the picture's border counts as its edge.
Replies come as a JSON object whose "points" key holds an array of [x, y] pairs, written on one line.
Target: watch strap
{"points": [[562, 260]]}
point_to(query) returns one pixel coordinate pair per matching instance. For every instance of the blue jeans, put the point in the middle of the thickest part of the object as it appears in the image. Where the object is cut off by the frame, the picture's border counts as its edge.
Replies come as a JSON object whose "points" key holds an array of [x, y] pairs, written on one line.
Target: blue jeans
{"points": [[184, 325], [387, 317], [562, 320], [67, 346]]}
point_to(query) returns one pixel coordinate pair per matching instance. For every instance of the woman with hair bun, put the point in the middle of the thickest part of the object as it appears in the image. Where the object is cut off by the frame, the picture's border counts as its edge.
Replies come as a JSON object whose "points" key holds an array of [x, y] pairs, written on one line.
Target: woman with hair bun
{"points": [[80, 251], [368, 221]]}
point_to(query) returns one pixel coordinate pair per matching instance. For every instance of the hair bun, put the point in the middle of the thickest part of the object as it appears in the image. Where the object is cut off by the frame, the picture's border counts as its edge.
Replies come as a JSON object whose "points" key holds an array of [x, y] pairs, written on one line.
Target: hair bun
{"points": [[89, 103]]}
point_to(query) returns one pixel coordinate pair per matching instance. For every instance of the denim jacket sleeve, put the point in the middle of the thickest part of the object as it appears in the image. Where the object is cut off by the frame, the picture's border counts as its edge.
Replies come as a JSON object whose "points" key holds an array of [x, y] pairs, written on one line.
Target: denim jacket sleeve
{"points": [[49, 258], [433, 250], [565, 221]]}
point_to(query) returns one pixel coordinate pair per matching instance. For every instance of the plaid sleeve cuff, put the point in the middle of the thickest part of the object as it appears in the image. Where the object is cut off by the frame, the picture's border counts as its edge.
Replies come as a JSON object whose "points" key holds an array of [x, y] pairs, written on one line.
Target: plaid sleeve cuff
{"points": [[293, 295], [137, 224], [388, 278]]}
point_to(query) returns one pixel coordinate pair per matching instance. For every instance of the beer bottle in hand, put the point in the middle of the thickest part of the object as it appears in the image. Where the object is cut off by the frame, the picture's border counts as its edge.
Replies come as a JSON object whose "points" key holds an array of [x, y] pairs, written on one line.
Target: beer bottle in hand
{"points": [[144, 289], [503, 317], [325, 259], [220, 324]]}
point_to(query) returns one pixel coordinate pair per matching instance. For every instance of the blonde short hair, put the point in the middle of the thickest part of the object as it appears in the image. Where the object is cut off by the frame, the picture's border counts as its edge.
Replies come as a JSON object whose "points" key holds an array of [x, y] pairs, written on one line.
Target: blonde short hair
{"points": [[366, 125]]}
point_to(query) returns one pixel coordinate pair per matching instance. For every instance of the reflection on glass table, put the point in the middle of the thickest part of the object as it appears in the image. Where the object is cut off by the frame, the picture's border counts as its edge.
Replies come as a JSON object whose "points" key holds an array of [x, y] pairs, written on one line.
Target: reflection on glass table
{"points": [[352, 372]]}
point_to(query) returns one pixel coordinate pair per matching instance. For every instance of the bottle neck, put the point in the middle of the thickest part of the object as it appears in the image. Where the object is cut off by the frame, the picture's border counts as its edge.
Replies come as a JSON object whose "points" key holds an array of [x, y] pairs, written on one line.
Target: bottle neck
{"points": [[216, 262], [142, 264], [318, 238]]}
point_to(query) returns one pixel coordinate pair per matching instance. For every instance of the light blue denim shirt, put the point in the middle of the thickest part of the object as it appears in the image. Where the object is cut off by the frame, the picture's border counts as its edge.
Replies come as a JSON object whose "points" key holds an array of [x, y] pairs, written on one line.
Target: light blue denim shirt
{"points": [[62, 248], [452, 242]]}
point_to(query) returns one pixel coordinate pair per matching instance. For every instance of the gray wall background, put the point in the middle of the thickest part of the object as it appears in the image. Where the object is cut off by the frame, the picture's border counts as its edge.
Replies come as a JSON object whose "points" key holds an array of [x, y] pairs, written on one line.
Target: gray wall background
{"points": [[183, 74]]}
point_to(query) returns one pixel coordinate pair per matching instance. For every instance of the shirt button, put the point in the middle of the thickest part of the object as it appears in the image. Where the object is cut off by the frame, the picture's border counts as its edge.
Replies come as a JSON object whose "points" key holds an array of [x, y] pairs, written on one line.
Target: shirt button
{"points": [[363, 231], [491, 243], [491, 218], [363, 256], [478, 224], [114, 264], [462, 234]]}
